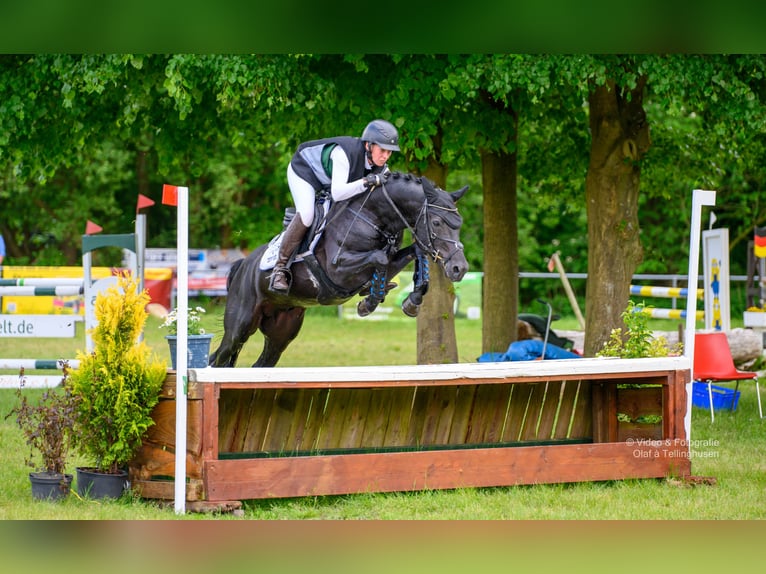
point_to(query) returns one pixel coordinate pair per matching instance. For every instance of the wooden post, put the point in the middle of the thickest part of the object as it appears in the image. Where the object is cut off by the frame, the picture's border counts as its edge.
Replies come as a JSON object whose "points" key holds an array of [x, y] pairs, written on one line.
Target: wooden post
{"points": [[568, 289]]}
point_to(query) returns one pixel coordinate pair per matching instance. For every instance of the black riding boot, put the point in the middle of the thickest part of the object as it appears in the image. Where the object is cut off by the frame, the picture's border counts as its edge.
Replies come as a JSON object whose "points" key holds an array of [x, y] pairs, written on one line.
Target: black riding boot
{"points": [[280, 277]]}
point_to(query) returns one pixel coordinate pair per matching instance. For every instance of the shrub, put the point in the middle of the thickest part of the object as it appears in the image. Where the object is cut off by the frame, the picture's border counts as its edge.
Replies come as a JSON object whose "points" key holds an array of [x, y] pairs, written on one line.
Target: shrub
{"points": [[639, 341], [119, 383]]}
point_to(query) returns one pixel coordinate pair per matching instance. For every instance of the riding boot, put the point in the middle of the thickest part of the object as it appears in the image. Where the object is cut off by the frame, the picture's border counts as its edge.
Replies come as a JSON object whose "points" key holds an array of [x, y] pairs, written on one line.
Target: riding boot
{"points": [[280, 277]]}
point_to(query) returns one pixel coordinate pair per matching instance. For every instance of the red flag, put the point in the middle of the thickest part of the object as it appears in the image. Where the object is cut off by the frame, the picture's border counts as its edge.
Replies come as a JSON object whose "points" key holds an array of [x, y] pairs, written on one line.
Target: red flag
{"points": [[551, 265], [170, 194], [91, 228], [143, 201], [760, 241]]}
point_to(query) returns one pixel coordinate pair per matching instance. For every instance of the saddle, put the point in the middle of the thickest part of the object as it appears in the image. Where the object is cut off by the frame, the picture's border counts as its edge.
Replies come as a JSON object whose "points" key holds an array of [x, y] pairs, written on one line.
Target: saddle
{"points": [[314, 233]]}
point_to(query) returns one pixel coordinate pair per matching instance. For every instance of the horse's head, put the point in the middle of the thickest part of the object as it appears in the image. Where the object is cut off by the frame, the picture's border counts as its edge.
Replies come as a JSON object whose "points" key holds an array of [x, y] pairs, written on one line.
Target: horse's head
{"points": [[439, 230]]}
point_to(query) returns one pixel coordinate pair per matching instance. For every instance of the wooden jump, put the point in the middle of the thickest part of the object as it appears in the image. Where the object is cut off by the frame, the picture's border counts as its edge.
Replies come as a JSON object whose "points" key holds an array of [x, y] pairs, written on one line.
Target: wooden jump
{"points": [[286, 432]]}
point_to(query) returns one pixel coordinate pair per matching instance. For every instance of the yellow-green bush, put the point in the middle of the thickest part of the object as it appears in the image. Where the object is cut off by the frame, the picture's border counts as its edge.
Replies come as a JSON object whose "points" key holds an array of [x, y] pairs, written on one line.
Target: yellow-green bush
{"points": [[118, 384]]}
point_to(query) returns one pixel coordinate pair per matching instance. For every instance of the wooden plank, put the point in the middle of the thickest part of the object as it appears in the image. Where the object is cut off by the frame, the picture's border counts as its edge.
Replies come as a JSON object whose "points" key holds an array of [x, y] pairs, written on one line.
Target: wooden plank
{"points": [[151, 461], [566, 408], [281, 419], [417, 417], [299, 436], [378, 413], [315, 419], [163, 432], [635, 403], [232, 416], [356, 418], [331, 433], [582, 418], [165, 489], [209, 424], [443, 374], [517, 411], [255, 420], [489, 413], [168, 391], [399, 419], [387, 472], [553, 395], [529, 430], [461, 418], [444, 405]]}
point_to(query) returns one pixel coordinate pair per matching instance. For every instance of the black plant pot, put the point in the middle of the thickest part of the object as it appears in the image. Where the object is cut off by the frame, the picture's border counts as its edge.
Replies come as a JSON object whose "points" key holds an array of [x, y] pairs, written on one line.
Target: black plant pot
{"points": [[50, 485], [95, 484]]}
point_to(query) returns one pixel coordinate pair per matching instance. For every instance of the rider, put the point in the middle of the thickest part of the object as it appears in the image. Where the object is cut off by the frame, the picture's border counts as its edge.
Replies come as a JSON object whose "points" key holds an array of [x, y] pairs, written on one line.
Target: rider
{"points": [[347, 165]]}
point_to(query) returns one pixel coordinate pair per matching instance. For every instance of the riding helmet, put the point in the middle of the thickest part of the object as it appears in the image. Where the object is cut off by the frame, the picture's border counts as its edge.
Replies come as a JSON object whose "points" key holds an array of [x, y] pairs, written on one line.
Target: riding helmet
{"points": [[382, 133]]}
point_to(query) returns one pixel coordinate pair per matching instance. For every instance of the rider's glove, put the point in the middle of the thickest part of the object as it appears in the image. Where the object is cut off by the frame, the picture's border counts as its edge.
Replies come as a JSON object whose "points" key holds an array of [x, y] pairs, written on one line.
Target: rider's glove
{"points": [[376, 179]]}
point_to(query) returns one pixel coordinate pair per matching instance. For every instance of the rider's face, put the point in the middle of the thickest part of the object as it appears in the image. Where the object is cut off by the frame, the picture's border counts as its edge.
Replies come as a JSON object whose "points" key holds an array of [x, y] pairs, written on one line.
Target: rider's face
{"points": [[379, 155]]}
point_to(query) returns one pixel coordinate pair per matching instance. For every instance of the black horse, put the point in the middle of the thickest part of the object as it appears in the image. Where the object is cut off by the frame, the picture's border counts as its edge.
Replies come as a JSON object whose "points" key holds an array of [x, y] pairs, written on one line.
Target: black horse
{"points": [[358, 252]]}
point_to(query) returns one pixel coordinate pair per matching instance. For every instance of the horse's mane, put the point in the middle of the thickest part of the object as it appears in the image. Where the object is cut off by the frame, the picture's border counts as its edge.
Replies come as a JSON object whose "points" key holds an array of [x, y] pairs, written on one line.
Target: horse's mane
{"points": [[435, 196]]}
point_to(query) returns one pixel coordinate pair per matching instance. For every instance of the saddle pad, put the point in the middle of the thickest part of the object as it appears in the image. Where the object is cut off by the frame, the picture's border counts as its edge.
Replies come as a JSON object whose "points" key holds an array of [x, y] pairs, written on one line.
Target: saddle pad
{"points": [[269, 258]]}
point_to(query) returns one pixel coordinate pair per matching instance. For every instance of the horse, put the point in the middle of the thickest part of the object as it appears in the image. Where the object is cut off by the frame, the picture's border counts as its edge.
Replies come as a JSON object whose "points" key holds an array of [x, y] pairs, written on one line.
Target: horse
{"points": [[358, 251]]}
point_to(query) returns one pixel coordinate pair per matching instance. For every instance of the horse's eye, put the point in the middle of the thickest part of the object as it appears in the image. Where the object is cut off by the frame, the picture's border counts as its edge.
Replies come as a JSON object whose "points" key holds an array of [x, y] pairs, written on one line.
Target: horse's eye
{"points": [[436, 222]]}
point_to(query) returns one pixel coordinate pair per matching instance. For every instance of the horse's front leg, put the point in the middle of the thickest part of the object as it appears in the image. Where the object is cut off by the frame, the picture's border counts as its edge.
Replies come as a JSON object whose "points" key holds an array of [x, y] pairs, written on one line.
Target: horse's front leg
{"points": [[411, 305], [380, 285]]}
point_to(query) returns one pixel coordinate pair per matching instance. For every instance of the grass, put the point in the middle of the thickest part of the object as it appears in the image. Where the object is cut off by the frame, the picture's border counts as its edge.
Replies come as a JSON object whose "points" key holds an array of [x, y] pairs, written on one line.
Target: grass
{"points": [[733, 450]]}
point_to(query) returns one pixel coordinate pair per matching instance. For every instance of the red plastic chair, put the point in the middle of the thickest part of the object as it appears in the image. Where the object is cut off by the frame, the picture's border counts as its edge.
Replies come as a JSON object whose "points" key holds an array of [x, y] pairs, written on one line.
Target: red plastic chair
{"points": [[713, 363]]}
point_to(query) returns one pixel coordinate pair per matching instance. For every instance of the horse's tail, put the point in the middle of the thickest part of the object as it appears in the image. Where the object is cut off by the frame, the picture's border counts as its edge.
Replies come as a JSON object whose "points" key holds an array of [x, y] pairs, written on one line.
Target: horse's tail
{"points": [[232, 272]]}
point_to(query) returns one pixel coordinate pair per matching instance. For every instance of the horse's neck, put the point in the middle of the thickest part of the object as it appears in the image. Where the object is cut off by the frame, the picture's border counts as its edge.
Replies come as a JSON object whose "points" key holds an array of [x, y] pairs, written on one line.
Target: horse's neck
{"points": [[406, 200]]}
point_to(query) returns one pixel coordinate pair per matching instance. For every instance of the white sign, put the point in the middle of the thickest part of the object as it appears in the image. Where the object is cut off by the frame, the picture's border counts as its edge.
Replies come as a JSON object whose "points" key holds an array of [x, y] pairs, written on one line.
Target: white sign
{"points": [[35, 326], [715, 249]]}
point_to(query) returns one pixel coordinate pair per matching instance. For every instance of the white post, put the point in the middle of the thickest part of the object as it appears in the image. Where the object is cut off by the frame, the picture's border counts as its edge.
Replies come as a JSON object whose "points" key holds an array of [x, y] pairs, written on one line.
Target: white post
{"points": [[140, 248], [182, 305], [699, 198]]}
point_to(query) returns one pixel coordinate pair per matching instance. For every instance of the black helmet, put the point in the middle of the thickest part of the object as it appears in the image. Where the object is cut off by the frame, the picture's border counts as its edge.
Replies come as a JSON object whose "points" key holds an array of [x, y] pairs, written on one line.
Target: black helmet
{"points": [[382, 133]]}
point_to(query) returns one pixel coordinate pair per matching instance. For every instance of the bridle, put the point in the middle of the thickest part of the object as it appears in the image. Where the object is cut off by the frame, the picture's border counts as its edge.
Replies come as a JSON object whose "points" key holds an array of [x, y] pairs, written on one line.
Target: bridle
{"points": [[427, 247]]}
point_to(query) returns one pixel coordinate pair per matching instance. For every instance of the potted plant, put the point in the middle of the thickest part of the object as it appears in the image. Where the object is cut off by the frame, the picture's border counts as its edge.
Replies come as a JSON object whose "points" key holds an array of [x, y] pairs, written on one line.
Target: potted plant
{"points": [[197, 341], [47, 425], [116, 388]]}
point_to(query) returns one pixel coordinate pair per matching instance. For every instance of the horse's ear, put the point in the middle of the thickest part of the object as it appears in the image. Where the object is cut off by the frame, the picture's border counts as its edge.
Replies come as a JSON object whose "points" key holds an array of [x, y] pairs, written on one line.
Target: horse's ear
{"points": [[456, 195]]}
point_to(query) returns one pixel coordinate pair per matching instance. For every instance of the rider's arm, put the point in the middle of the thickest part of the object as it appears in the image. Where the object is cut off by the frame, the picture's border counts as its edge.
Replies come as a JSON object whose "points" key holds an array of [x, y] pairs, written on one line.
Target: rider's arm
{"points": [[341, 188]]}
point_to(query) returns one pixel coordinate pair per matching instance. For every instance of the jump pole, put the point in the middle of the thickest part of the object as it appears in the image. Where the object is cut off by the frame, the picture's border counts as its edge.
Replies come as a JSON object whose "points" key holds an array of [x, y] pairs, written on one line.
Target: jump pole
{"points": [[699, 198], [179, 196]]}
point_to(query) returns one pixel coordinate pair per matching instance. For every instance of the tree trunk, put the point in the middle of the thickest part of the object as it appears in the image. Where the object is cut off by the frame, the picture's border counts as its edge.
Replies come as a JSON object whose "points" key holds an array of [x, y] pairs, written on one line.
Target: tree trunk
{"points": [[620, 138], [500, 294], [437, 342]]}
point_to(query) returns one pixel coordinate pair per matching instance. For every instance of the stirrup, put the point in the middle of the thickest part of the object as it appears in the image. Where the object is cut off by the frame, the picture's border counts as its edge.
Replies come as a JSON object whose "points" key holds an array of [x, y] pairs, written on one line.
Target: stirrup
{"points": [[287, 276]]}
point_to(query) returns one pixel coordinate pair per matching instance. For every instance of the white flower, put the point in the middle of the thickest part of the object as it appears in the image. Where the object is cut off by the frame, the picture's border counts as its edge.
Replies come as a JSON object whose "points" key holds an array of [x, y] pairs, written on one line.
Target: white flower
{"points": [[193, 318]]}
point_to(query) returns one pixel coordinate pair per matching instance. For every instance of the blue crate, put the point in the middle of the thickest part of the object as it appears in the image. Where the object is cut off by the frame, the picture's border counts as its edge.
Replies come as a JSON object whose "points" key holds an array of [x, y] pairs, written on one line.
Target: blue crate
{"points": [[723, 398]]}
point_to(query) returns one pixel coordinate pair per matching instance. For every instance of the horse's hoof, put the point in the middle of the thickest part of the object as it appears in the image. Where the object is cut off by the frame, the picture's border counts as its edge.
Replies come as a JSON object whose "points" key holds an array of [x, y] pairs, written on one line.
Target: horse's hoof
{"points": [[409, 308], [365, 307]]}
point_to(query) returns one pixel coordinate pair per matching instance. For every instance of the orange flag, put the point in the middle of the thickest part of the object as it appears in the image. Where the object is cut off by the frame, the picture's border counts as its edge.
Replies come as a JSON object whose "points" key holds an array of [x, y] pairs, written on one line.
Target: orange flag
{"points": [[91, 228], [170, 194]]}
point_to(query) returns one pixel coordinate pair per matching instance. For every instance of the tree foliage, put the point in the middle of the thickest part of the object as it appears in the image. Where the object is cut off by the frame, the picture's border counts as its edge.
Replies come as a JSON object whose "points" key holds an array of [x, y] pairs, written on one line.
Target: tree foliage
{"points": [[81, 135]]}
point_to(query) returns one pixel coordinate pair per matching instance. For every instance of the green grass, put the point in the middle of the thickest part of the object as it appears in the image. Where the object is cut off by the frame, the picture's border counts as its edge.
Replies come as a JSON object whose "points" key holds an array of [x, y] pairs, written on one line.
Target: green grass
{"points": [[734, 451]]}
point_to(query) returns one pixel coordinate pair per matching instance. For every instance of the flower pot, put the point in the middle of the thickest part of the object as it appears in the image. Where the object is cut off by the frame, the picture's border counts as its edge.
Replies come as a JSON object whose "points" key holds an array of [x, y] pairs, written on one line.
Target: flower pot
{"points": [[197, 350], [95, 484], [50, 485]]}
